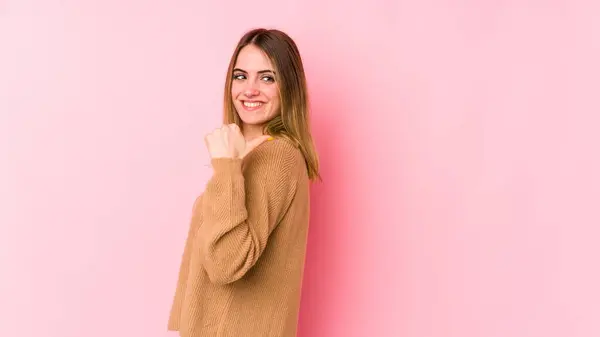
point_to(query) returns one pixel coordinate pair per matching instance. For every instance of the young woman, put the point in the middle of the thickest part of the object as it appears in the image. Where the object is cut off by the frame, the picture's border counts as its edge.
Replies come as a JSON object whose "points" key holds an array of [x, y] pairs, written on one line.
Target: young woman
{"points": [[243, 261]]}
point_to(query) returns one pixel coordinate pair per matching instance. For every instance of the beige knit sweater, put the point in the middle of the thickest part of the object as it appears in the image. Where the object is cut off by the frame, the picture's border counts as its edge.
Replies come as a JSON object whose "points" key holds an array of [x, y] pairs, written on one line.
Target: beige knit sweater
{"points": [[243, 261]]}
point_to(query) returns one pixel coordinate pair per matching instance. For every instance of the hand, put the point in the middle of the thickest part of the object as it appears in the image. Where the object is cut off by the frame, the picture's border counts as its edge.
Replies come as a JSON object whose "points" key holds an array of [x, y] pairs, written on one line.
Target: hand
{"points": [[228, 142]]}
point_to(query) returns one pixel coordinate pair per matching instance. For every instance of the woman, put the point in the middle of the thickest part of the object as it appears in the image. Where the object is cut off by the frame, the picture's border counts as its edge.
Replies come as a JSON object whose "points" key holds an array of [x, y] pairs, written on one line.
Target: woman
{"points": [[243, 261]]}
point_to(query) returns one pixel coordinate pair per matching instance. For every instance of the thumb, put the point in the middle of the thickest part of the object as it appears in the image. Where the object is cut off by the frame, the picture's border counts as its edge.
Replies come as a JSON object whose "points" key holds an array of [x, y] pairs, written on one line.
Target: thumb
{"points": [[251, 145]]}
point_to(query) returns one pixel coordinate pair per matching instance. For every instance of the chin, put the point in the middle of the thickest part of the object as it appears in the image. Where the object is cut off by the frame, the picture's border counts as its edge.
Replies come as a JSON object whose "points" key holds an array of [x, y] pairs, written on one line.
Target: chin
{"points": [[253, 120], [258, 117]]}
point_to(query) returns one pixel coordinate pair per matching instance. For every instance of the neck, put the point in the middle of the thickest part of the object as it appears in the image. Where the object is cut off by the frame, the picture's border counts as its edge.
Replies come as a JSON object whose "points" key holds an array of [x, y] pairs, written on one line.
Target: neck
{"points": [[252, 131]]}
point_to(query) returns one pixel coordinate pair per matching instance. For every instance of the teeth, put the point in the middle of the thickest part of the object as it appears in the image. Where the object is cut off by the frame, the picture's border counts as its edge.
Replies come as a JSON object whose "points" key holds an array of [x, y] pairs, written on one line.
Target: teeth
{"points": [[252, 104]]}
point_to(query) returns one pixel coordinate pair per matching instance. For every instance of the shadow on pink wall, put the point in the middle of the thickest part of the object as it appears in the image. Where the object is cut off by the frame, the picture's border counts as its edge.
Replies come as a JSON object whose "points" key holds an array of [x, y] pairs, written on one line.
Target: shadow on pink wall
{"points": [[355, 281], [323, 278]]}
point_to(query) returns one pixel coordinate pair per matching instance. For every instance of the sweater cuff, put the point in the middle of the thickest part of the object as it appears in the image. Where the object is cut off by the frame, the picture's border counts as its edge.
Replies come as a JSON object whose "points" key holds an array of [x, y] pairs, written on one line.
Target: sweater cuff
{"points": [[226, 165]]}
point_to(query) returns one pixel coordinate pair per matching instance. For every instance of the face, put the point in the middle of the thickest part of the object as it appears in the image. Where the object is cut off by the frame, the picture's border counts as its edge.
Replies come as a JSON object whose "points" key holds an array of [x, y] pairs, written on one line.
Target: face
{"points": [[254, 89]]}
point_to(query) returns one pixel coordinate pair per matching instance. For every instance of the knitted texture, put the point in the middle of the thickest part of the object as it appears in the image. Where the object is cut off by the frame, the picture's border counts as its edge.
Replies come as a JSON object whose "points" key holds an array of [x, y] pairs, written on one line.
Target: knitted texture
{"points": [[243, 261]]}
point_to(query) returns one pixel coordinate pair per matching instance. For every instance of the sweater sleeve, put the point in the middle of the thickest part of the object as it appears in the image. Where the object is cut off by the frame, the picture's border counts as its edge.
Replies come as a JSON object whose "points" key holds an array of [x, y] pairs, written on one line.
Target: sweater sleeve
{"points": [[240, 209]]}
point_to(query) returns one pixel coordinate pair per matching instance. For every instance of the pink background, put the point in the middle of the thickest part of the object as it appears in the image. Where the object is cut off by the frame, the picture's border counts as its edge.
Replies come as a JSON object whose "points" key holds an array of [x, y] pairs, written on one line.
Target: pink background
{"points": [[461, 186]]}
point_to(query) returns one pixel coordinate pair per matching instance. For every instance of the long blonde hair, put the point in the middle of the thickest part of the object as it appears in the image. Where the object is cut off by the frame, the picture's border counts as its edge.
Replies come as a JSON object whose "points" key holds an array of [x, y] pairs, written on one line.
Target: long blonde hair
{"points": [[293, 120]]}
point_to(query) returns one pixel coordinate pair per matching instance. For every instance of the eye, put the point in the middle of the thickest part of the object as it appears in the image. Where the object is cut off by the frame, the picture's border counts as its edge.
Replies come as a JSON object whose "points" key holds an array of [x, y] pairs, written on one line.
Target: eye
{"points": [[239, 76], [268, 78]]}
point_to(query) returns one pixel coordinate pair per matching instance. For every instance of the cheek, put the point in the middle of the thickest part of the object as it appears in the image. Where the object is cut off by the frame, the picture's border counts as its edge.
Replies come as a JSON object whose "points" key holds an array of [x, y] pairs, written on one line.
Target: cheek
{"points": [[235, 90], [272, 93]]}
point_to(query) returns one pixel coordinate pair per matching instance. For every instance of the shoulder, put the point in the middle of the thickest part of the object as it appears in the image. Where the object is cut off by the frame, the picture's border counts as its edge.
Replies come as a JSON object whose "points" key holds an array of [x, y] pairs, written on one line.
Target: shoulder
{"points": [[278, 149], [277, 155]]}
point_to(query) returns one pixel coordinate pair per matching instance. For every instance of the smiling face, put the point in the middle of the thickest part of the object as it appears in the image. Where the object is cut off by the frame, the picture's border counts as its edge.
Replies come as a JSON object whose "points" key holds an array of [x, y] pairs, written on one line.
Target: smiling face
{"points": [[254, 90], [265, 91]]}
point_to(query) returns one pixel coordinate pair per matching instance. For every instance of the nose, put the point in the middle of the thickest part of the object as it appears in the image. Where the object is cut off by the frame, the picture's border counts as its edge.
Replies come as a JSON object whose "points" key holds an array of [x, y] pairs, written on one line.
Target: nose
{"points": [[251, 90]]}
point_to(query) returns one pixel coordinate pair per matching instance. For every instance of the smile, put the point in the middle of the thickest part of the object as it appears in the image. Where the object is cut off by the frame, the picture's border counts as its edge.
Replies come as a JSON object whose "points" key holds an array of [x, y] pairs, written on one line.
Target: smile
{"points": [[252, 104]]}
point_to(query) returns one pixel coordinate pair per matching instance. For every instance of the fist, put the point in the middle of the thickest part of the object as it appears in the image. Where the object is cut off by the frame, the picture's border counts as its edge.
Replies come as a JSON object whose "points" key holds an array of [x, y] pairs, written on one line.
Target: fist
{"points": [[228, 142]]}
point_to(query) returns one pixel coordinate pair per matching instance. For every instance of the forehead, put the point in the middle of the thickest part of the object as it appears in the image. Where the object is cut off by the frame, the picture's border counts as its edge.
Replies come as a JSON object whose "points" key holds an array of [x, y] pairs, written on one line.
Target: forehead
{"points": [[251, 59]]}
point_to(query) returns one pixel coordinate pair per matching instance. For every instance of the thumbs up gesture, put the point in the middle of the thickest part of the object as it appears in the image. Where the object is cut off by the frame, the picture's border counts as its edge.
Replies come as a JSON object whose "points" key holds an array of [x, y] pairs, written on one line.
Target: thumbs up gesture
{"points": [[228, 142]]}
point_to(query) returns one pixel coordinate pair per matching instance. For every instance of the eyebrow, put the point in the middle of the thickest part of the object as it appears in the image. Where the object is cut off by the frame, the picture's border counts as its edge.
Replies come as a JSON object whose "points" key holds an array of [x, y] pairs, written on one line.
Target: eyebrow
{"points": [[260, 71]]}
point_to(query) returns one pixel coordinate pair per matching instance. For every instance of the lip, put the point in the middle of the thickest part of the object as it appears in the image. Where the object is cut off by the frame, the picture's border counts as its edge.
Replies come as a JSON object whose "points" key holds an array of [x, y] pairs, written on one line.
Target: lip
{"points": [[251, 101]]}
